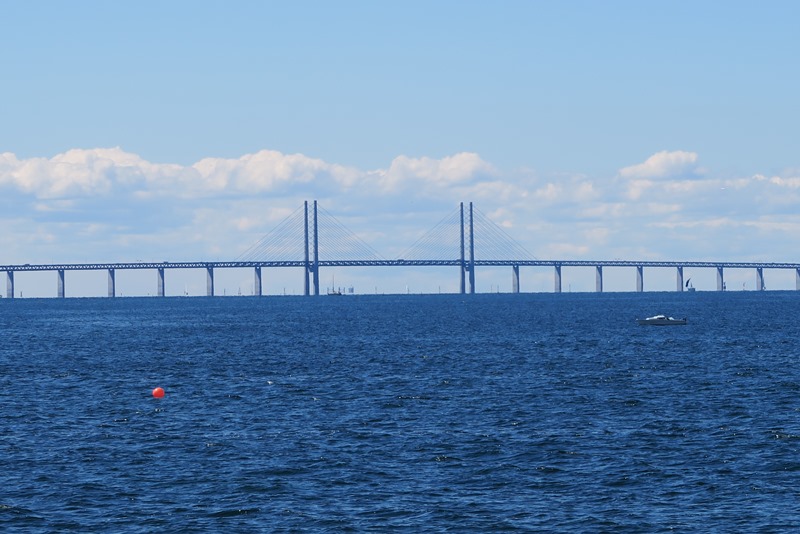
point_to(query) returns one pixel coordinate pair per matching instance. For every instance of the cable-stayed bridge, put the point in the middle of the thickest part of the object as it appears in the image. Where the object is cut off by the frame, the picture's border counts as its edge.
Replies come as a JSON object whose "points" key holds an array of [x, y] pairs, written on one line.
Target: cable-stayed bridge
{"points": [[311, 238]]}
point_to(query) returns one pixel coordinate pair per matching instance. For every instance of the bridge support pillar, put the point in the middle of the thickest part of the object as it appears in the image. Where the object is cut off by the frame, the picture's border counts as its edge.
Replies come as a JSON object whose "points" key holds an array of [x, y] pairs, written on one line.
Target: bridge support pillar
{"points": [[515, 278], [760, 279], [471, 252], [598, 278], [720, 279], [557, 288], [61, 283], [470, 274], [160, 282], [797, 279], [112, 285], [257, 282], [10, 283], [639, 278], [209, 281], [679, 278]]}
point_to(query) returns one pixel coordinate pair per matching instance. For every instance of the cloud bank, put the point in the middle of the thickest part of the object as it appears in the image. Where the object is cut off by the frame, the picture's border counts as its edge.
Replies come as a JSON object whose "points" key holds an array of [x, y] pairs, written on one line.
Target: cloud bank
{"points": [[107, 171], [107, 204]]}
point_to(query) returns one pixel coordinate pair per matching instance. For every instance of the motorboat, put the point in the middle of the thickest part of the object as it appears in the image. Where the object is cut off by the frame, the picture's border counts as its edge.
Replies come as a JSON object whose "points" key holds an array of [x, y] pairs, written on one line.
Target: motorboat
{"points": [[661, 320]]}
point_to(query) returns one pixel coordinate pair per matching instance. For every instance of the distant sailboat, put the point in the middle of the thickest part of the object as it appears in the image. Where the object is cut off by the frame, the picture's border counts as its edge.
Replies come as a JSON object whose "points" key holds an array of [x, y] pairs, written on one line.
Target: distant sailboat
{"points": [[333, 292], [689, 286]]}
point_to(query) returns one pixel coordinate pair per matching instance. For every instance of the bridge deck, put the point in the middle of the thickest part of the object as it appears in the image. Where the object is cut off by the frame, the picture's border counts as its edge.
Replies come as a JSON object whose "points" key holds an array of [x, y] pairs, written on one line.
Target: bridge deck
{"points": [[392, 263]]}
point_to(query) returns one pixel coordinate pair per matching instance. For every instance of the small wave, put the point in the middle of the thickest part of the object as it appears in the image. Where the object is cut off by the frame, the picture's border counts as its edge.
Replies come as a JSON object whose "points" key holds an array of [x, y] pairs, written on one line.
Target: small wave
{"points": [[235, 513]]}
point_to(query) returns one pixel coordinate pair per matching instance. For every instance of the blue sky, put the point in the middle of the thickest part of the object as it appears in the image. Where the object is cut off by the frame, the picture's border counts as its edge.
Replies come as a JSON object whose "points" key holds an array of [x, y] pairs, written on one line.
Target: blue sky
{"points": [[589, 130]]}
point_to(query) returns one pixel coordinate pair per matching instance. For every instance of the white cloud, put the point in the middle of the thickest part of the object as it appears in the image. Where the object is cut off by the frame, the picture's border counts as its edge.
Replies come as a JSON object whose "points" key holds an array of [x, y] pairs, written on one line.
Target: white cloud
{"points": [[494, 191], [80, 172], [597, 235], [566, 250], [663, 165], [790, 183], [606, 210], [713, 222], [406, 172], [584, 192], [550, 192], [269, 170], [664, 171]]}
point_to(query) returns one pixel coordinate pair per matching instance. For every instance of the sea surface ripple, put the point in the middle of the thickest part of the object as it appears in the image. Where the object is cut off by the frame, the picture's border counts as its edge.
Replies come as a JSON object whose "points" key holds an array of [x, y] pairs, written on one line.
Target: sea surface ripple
{"points": [[435, 413]]}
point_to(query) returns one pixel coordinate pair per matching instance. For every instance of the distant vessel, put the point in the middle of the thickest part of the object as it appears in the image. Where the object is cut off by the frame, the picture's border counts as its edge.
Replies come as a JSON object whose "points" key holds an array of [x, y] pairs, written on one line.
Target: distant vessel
{"points": [[661, 320], [333, 292], [689, 286]]}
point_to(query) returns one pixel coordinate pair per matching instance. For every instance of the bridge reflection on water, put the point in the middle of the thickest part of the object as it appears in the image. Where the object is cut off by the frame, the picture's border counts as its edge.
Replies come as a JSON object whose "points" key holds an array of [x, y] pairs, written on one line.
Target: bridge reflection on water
{"points": [[298, 241]]}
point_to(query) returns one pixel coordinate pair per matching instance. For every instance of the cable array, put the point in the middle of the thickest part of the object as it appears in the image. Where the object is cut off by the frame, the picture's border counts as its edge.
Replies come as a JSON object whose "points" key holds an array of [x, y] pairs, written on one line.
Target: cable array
{"points": [[285, 242], [493, 243], [443, 241], [337, 242]]}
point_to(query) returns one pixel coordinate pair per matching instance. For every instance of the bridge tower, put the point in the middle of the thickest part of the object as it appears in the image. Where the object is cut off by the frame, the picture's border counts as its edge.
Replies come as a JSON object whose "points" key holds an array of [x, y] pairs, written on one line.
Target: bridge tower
{"points": [[463, 264], [471, 252], [307, 268], [316, 251], [311, 270], [467, 265]]}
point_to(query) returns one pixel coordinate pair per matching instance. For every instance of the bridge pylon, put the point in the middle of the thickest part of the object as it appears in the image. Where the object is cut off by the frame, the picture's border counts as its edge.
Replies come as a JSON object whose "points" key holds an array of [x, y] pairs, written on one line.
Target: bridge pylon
{"points": [[467, 265], [311, 265]]}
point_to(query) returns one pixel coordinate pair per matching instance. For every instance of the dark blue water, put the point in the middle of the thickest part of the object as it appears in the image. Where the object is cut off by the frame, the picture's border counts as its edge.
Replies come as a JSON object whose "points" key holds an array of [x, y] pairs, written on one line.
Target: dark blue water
{"points": [[407, 413]]}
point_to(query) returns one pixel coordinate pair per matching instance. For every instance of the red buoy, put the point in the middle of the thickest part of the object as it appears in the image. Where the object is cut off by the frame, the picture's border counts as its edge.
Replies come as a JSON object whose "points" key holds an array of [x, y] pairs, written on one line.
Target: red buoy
{"points": [[158, 393]]}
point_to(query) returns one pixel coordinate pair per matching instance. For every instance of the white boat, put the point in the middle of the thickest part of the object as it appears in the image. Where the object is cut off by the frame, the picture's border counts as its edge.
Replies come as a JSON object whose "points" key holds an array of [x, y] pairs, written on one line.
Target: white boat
{"points": [[661, 320]]}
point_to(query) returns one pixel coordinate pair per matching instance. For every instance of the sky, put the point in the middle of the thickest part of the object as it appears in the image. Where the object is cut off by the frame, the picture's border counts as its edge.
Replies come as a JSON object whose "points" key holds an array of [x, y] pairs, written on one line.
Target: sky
{"points": [[186, 131]]}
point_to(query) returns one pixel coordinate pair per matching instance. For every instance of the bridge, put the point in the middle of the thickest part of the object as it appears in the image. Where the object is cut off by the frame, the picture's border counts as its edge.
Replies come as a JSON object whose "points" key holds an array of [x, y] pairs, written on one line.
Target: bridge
{"points": [[312, 239]]}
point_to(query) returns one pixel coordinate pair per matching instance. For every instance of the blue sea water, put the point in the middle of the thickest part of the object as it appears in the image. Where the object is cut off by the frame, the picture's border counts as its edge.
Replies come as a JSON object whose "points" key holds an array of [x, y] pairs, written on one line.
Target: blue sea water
{"points": [[438, 413]]}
